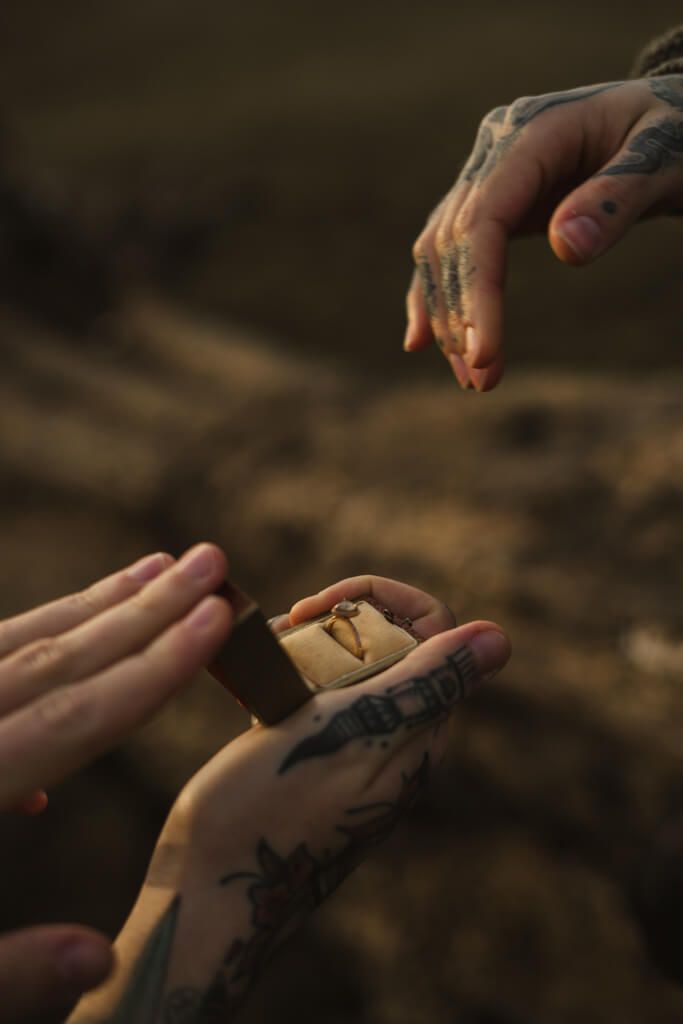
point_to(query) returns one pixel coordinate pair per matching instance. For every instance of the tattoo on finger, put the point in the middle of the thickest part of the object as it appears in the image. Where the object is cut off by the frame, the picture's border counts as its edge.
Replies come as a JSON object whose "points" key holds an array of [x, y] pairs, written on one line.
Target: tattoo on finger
{"points": [[480, 153], [408, 705], [488, 152], [669, 89], [525, 110], [656, 147], [457, 274], [428, 287]]}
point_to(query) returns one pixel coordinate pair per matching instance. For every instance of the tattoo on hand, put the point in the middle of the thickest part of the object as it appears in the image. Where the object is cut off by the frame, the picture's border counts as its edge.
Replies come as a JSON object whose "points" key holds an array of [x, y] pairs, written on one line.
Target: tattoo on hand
{"points": [[488, 153], [480, 153], [409, 705], [656, 147], [669, 89], [527, 109], [457, 274], [284, 891]]}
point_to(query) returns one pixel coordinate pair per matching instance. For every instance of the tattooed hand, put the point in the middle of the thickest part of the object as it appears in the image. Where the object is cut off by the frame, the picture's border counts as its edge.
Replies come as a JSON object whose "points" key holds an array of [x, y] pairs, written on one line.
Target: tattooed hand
{"points": [[273, 824], [583, 165], [76, 676]]}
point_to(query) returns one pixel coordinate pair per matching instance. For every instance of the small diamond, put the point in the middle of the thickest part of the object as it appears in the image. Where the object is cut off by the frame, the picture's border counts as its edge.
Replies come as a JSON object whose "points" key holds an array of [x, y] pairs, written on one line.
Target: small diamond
{"points": [[345, 608]]}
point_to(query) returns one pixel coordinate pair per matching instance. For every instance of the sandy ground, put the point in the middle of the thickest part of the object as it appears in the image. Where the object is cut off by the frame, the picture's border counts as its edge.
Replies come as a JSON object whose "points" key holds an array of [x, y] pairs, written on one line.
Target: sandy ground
{"points": [[169, 177]]}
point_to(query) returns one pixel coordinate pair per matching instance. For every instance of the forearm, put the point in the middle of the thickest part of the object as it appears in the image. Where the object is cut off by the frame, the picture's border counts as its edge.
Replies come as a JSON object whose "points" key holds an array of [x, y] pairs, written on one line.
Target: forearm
{"points": [[171, 953]]}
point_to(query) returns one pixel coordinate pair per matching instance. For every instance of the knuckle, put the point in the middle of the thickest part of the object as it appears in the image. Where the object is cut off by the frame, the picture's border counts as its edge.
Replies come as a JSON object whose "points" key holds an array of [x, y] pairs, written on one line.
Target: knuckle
{"points": [[41, 657], [86, 600], [496, 115], [443, 241], [466, 216], [420, 249], [519, 107], [66, 709]]}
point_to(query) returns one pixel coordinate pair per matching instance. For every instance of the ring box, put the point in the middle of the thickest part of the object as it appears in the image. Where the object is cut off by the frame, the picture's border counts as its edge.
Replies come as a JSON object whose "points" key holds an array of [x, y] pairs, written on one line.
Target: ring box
{"points": [[273, 675]]}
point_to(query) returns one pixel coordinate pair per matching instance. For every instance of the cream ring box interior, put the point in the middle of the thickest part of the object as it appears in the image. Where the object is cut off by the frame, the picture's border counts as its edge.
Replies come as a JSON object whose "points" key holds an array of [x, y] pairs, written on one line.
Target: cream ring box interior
{"points": [[328, 658], [273, 676]]}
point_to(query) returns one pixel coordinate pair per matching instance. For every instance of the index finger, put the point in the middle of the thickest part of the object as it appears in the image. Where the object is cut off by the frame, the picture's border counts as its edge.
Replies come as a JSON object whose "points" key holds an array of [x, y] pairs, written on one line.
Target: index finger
{"points": [[429, 615]]}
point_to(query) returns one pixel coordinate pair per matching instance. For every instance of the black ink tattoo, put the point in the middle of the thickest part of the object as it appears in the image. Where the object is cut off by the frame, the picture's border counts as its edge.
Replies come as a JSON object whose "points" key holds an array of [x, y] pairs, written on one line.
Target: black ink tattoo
{"points": [[142, 997], [408, 705], [450, 282], [609, 207], [487, 154], [428, 287], [527, 109], [497, 116], [457, 274], [669, 89], [651, 150], [482, 148], [284, 890]]}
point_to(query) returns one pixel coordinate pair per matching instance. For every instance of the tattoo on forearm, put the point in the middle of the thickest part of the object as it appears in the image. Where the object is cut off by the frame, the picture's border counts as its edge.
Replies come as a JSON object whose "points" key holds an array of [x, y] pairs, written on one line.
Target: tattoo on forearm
{"points": [[651, 150], [669, 89], [413, 703], [143, 994], [282, 892]]}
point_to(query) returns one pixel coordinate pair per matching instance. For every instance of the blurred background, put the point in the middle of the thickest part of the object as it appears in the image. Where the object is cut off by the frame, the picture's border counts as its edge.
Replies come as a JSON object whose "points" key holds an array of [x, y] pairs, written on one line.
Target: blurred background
{"points": [[206, 216]]}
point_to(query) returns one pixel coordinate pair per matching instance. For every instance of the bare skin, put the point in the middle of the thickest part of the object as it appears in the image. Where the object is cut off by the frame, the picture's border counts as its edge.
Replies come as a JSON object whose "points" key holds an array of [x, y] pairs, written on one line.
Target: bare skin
{"points": [[273, 823], [76, 677], [582, 166]]}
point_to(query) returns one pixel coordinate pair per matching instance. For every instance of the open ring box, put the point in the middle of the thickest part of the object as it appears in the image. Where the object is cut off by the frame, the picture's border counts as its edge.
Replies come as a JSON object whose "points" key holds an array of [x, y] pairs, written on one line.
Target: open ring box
{"points": [[273, 675]]}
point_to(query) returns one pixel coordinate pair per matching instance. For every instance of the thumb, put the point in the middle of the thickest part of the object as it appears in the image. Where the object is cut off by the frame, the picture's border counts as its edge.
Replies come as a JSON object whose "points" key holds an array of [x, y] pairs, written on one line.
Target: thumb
{"points": [[49, 967], [598, 213]]}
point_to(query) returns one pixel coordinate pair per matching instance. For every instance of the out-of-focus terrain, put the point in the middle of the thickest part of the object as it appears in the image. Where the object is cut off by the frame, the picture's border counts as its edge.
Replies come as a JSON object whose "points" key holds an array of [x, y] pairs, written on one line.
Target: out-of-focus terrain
{"points": [[205, 224]]}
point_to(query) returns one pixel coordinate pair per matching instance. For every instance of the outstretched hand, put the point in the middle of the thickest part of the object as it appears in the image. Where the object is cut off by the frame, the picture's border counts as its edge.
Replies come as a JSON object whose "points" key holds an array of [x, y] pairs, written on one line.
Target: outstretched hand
{"points": [[273, 824], [76, 677], [583, 165]]}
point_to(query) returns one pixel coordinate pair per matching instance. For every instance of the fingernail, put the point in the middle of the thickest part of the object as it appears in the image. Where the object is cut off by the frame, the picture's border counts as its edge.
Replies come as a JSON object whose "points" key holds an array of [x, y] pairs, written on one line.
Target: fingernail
{"points": [[460, 371], [198, 563], [491, 651], [472, 346], [149, 567], [583, 235], [273, 621], [204, 615], [85, 964]]}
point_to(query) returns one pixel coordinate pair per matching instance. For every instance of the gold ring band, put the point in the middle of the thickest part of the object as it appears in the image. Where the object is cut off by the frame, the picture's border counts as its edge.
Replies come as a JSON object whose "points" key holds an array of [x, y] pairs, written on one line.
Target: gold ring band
{"points": [[328, 627]]}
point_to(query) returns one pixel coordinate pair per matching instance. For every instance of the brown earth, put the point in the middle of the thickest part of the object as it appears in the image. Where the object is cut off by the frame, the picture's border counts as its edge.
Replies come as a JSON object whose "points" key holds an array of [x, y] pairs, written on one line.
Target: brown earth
{"points": [[169, 176]]}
